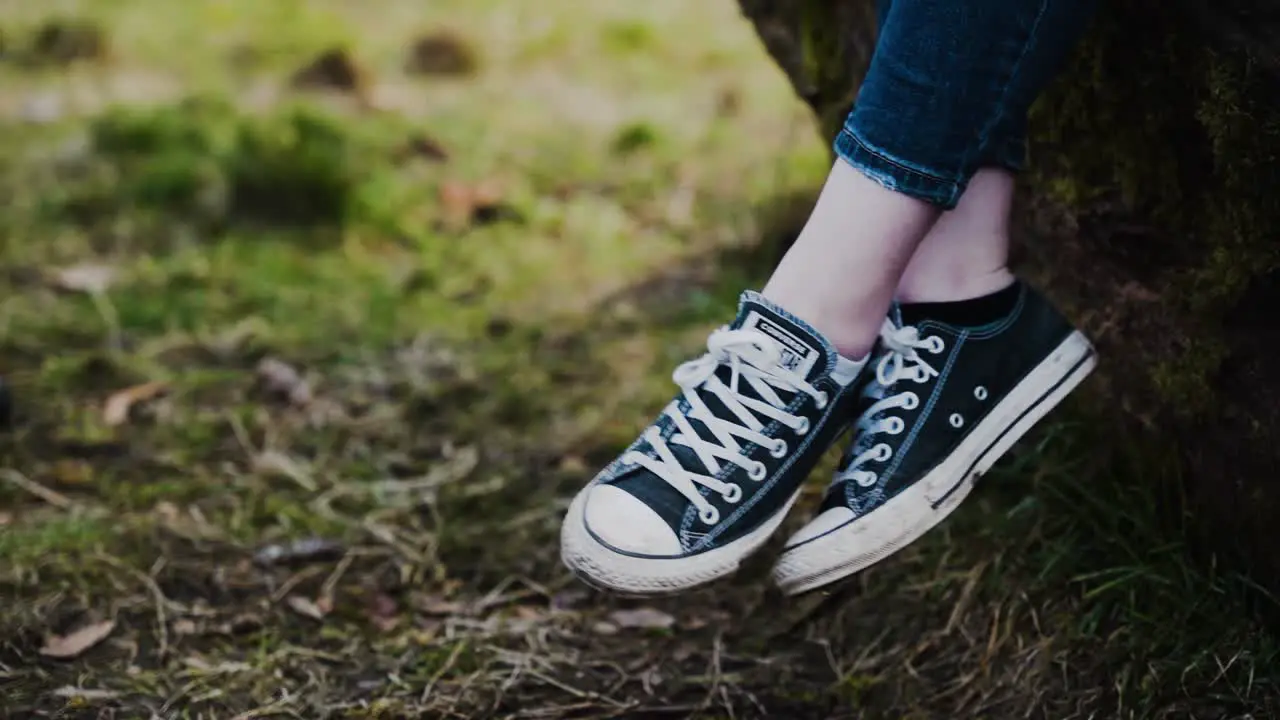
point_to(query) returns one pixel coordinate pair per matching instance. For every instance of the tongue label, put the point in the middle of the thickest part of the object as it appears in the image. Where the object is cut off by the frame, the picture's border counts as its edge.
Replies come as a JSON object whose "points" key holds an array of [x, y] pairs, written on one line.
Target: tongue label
{"points": [[797, 356]]}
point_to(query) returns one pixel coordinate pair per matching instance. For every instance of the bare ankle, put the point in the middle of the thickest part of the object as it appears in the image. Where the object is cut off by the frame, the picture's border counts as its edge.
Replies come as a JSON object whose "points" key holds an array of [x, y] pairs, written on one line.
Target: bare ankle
{"points": [[951, 286]]}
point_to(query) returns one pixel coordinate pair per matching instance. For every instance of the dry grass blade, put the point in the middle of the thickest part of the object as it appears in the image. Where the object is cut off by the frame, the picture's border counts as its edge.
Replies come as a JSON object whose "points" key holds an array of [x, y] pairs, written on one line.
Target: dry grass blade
{"points": [[116, 410], [643, 618], [74, 644]]}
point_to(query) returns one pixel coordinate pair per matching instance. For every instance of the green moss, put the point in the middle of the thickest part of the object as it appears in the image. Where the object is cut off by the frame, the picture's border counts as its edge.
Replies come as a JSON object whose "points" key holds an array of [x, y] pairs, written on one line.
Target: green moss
{"points": [[295, 169], [831, 92], [298, 167], [635, 137], [1187, 139], [1184, 380]]}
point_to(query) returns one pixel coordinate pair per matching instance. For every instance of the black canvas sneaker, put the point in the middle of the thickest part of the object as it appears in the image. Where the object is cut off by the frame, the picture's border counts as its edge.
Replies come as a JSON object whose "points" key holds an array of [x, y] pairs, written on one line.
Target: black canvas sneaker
{"points": [[712, 478], [943, 404]]}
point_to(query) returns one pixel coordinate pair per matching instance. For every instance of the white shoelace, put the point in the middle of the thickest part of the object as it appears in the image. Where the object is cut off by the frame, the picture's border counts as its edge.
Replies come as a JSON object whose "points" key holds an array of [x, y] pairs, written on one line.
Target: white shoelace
{"points": [[902, 361], [755, 358]]}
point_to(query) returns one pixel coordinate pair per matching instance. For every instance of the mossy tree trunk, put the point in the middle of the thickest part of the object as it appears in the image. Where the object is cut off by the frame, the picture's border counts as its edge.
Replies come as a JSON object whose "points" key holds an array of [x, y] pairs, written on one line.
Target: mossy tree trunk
{"points": [[1155, 188]]}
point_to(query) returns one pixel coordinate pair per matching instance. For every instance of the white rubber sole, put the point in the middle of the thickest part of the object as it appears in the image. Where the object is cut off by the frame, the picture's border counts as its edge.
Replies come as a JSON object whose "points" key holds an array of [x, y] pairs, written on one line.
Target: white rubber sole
{"points": [[917, 509], [603, 567]]}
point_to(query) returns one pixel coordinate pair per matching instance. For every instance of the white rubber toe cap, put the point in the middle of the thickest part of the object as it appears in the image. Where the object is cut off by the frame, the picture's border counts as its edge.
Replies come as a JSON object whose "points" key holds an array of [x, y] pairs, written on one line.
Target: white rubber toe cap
{"points": [[620, 519], [824, 523]]}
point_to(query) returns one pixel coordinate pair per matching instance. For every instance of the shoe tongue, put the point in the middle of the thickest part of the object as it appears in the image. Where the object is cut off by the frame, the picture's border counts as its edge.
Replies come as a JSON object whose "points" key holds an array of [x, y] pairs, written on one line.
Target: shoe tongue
{"points": [[804, 350], [895, 315]]}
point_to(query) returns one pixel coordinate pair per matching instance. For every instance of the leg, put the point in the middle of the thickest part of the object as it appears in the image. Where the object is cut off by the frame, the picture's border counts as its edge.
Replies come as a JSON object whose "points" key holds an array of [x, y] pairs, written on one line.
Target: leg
{"points": [[714, 475], [947, 91], [966, 253], [971, 358]]}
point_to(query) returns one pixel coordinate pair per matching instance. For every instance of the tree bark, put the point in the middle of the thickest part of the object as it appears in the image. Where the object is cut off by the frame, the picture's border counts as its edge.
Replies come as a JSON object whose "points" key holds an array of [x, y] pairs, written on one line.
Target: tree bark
{"points": [[1152, 214]]}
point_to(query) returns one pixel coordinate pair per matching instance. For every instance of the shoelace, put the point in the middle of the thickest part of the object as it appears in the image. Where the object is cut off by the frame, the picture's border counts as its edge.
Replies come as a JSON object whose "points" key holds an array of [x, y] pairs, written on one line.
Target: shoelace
{"points": [[753, 357], [901, 361]]}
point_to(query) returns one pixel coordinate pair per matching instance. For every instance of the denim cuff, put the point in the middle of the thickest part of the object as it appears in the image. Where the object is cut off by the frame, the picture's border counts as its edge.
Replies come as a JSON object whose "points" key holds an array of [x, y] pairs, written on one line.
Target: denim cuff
{"points": [[896, 175]]}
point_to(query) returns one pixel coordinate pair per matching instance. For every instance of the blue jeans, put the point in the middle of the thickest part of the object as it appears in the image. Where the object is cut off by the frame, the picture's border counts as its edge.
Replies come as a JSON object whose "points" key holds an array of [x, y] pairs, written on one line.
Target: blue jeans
{"points": [[949, 87]]}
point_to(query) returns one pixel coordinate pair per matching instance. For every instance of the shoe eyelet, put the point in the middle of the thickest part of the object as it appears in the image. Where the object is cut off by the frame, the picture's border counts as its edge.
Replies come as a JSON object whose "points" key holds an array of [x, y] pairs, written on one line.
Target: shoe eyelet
{"points": [[956, 420], [896, 426], [980, 393], [866, 480], [883, 452], [734, 494], [758, 472], [820, 402], [936, 344], [910, 401], [779, 448], [709, 516], [802, 427]]}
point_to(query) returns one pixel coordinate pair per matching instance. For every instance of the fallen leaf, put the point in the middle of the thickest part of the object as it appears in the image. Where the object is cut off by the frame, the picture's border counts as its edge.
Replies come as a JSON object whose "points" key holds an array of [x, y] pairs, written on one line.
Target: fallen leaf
{"points": [[464, 204], [333, 69], [65, 647], [184, 627], [241, 624], [442, 53], [312, 549], [305, 607], [273, 463], [168, 512], [382, 605], [604, 628], [116, 410], [728, 102], [422, 146], [88, 278], [72, 472], [282, 379], [573, 465], [645, 618], [1134, 290], [435, 605], [61, 42], [383, 612], [568, 599], [529, 612]]}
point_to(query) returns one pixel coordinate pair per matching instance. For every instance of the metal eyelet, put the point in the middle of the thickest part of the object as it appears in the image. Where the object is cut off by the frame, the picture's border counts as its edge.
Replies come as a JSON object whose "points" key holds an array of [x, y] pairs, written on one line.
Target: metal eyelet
{"points": [[867, 480], [883, 452], [758, 472], [779, 448], [896, 426], [980, 393], [710, 516], [936, 345], [734, 494], [956, 420], [820, 402], [802, 427], [910, 401]]}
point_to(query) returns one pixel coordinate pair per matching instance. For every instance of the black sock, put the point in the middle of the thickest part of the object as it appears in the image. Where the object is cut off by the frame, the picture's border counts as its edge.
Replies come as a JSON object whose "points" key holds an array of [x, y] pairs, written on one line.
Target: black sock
{"points": [[964, 313]]}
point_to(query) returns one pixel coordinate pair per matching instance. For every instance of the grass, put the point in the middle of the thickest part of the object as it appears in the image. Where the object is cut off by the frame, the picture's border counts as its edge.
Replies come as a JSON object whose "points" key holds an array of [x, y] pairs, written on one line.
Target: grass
{"points": [[393, 325]]}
